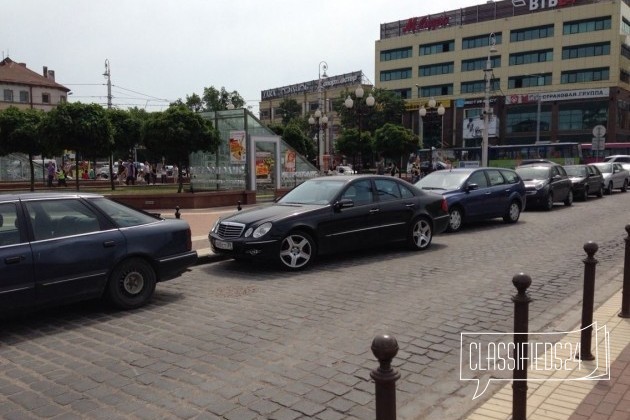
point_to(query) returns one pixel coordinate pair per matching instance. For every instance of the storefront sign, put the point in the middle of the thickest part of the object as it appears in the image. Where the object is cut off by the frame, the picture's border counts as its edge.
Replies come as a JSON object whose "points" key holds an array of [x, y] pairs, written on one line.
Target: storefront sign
{"points": [[564, 95], [542, 4], [347, 79]]}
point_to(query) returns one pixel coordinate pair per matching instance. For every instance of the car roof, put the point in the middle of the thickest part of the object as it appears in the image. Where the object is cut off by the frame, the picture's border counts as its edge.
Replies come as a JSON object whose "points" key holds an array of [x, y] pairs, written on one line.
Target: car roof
{"points": [[539, 164], [45, 195]]}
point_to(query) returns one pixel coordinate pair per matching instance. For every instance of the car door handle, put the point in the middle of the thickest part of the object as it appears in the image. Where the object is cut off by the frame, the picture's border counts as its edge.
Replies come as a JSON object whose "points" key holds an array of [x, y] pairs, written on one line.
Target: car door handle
{"points": [[410, 205], [14, 260], [374, 211], [109, 244]]}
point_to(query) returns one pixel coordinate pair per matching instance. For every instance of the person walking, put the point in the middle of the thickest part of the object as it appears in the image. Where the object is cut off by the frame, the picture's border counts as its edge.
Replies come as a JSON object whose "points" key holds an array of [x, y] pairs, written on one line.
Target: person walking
{"points": [[131, 173], [61, 178], [51, 173]]}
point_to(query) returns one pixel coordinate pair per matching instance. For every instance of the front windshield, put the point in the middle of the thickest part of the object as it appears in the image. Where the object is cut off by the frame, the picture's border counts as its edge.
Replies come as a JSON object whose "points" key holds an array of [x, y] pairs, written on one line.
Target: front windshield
{"points": [[576, 171], [535, 172], [605, 168], [313, 191], [442, 180]]}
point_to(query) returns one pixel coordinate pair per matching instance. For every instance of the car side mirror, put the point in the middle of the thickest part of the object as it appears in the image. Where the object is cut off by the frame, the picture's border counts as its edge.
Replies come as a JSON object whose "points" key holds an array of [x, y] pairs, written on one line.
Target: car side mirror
{"points": [[343, 203], [471, 187]]}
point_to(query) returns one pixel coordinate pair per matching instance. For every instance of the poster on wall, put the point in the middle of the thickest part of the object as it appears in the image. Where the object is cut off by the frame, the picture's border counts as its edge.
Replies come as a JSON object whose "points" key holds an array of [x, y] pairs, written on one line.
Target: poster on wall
{"points": [[289, 160], [237, 147]]}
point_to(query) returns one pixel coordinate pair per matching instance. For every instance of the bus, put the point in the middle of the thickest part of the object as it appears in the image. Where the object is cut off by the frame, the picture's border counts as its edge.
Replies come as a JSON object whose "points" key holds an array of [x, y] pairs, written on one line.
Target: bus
{"points": [[591, 155], [506, 156]]}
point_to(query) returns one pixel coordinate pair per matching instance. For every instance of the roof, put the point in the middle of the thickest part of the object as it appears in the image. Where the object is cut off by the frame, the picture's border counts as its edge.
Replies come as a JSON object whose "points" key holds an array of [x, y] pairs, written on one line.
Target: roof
{"points": [[18, 73]]}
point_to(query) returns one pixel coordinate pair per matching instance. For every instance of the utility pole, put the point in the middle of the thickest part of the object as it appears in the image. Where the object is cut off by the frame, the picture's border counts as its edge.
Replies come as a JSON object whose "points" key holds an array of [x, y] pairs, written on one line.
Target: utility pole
{"points": [[108, 75]]}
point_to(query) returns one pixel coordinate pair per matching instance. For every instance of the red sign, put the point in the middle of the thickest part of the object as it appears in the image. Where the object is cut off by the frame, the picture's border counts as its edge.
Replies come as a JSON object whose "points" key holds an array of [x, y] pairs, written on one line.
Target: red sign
{"points": [[418, 24]]}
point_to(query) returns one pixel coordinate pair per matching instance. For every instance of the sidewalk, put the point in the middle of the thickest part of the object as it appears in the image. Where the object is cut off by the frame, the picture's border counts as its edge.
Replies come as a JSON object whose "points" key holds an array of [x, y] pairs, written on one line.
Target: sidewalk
{"points": [[576, 399]]}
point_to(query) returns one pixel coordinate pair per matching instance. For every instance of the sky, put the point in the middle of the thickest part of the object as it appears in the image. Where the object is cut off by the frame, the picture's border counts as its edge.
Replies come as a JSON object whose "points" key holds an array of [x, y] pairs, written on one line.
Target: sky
{"points": [[163, 50]]}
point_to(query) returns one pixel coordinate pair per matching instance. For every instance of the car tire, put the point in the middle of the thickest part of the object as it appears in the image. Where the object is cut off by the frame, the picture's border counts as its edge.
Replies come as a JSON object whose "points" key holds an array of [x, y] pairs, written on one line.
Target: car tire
{"points": [[585, 198], [569, 200], [420, 234], [297, 251], [549, 202], [131, 284], [513, 213], [600, 192], [609, 189], [455, 219], [624, 188]]}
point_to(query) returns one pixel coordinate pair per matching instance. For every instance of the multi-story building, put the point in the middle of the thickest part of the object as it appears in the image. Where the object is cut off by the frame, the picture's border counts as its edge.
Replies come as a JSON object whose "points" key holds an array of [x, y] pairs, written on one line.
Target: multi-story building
{"points": [[314, 95], [550, 70], [23, 88]]}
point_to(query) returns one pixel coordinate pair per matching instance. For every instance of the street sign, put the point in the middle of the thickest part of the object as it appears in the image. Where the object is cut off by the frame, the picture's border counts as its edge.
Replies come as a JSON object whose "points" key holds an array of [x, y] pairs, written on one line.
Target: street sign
{"points": [[599, 143], [599, 131]]}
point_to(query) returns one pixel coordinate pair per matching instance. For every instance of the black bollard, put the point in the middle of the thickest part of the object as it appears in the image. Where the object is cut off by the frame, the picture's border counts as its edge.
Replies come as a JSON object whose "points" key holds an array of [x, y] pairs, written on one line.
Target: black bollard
{"points": [[588, 300], [238, 206], [521, 328], [177, 214], [625, 294], [385, 347]]}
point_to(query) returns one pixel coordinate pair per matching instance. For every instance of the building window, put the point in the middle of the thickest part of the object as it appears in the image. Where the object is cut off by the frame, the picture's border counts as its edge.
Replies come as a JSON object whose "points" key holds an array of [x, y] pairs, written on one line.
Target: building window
{"points": [[402, 93], [479, 86], [24, 97], [438, 90], [480, 63], [583, 115], [590, 25], [525, 119], [529, 80], [8, 95], [585, 75], [590, 50], [531, 57], [436, 69], [438, 47], [527, 34], [313, 106], [480, 41], [625, 26], [397, 74], [264, 114], [45, 98], [397, 54], [62, 99]]}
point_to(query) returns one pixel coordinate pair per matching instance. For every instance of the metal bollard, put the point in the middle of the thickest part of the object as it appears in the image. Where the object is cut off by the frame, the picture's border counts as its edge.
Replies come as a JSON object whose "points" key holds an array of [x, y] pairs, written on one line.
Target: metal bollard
{"points": [[588, 300], [625, 299], [521, 328], [385, 347], [238, 206], [177, 214]]}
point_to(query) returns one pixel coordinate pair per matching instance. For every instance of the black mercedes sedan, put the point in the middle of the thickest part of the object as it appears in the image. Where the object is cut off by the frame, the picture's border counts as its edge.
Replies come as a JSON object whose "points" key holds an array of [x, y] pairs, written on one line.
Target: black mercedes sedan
{"points": [[63, 247], [329, 215]]}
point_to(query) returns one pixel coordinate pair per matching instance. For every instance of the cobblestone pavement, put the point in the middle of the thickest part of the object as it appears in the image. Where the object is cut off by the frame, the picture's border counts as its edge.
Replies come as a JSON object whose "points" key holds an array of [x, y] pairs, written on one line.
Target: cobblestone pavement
{"points": [[239, 341]]}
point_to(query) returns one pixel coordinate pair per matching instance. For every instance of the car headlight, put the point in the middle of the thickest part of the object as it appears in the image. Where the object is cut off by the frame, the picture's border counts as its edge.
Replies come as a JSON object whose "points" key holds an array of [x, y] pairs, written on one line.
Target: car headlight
{"points": [[262, 230], [216, 225], [539, 186]]}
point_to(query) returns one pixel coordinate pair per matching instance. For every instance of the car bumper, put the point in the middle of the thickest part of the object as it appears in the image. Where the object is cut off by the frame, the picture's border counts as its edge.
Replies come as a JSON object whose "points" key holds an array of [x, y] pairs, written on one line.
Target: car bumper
{"points": [[536, 197], [174, 265], [246, 249], [440, 224]]}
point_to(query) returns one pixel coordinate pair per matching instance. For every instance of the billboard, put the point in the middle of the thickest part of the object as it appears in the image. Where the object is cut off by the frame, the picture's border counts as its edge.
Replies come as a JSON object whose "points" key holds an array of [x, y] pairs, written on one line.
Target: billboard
{"points": [[473, 127]]}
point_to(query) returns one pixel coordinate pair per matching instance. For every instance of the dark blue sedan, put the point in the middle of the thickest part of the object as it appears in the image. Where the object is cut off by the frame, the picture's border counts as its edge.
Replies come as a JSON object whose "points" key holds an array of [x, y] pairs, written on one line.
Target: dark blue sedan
{"points": [[477, 194], [62, 247]]}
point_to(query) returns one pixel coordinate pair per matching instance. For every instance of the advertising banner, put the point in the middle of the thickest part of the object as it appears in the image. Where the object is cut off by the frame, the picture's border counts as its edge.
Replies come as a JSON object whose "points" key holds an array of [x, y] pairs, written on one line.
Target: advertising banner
{"points": [[237, 147], [473, 127]]}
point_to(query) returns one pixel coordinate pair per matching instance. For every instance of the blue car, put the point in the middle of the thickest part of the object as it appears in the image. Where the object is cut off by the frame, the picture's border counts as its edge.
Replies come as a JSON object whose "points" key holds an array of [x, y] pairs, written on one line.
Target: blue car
{"points": [[474, 194]]}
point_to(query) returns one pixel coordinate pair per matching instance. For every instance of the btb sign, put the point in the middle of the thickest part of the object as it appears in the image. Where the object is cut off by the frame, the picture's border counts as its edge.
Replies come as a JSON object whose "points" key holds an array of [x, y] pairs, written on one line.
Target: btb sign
{"points": [[542, 4]]}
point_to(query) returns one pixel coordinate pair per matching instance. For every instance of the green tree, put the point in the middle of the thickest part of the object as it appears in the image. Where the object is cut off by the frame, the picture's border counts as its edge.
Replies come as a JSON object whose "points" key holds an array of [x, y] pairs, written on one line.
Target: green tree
{"points": [[294, 136], [290, 110], [127, 135], [388, 108], [83, 128], [358, 147], [177, 132], [393, 141], [20, 133], [218, 100]]}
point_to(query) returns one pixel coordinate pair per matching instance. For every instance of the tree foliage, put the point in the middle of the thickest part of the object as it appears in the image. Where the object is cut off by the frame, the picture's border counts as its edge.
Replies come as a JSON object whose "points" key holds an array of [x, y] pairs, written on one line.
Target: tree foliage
{"points": [[394, 142], [177, 132], [290, 110], [352, 144]]}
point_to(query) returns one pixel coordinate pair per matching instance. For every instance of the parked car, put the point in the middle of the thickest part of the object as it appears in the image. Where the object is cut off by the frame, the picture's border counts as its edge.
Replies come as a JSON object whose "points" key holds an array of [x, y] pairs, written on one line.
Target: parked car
{"points": [[623, 159], [545, 184], [477, 194], [329, 215], [615, 177], [345, 170], [530, 161], [61, 247], [586, 179]]}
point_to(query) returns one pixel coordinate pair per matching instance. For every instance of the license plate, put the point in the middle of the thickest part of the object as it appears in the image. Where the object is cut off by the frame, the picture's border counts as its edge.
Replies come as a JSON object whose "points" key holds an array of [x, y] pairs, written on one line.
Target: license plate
{"points": [[223, 244]]}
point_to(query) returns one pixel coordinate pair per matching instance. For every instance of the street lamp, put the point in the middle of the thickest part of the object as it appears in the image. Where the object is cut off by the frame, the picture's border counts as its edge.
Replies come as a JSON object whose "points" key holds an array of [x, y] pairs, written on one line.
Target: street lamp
{"points": [[487, 72], [440, 111], [360, 110], [319, 121]]}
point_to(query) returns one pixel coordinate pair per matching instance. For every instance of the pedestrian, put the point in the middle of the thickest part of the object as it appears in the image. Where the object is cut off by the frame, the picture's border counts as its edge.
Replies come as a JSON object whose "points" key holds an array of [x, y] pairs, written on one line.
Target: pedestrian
{"points": [[147, 172], [176, 174], [61, 178], [131, 173], [51, 173], [393, 170], [163, 174]]}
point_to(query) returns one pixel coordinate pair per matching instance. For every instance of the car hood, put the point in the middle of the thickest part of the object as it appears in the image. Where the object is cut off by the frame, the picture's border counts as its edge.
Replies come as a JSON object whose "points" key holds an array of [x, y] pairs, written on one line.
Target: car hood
{"points": [[576, 179], [271, 213], [531, 183]]}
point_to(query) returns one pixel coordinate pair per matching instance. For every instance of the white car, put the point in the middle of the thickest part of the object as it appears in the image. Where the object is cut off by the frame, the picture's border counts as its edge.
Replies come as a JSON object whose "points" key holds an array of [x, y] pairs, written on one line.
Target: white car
{"points": [[345, 170], [623, 159], [615, 176]]}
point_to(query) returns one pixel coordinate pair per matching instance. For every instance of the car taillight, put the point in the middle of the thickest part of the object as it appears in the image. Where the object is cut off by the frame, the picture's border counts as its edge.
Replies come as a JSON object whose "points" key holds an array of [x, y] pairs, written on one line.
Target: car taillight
{"points": [[444, 205], [189, 239]]}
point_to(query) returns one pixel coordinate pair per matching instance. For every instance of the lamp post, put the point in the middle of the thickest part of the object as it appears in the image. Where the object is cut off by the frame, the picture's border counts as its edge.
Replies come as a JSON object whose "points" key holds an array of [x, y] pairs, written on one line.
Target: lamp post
{"points": [[319, 121], [360, 110], [440, 111], [487, 72]]}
